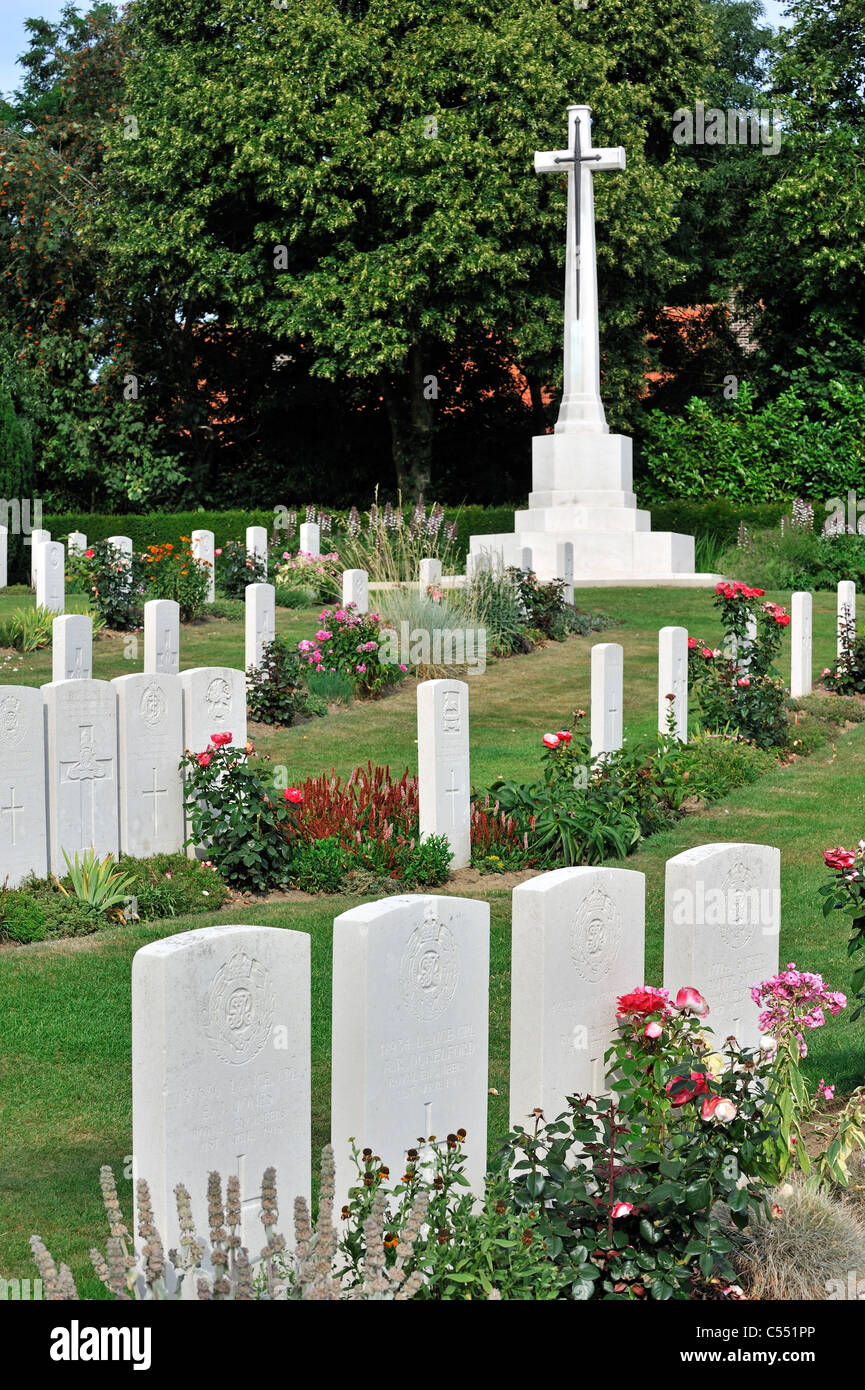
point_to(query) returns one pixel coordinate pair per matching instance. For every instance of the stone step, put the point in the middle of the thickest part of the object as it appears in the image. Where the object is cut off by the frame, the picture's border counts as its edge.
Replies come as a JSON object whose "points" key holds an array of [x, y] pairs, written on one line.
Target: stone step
{"points": [[582, 518], [594, 554], [582, 497]]}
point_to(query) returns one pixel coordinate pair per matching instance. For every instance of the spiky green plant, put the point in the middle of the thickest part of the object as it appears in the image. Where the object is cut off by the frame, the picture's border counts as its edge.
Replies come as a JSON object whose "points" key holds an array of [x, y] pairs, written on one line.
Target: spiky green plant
{"points": [[27, 629], [99, 883], [492, 601]]}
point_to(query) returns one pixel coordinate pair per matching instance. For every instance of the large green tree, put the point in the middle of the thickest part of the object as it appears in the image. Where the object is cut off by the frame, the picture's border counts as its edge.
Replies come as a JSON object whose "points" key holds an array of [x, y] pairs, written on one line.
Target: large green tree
{"points": [[351, 185]]}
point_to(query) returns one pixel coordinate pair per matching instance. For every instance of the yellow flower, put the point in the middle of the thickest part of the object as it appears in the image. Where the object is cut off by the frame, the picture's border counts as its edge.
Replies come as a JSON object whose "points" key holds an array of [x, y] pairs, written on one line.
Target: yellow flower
{"points": [[715, 1064]]}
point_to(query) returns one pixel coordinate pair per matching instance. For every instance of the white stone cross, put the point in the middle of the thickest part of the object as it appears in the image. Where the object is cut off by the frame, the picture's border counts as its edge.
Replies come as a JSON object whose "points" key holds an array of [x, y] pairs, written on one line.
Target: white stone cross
{"points": [[581, 409], [77, 671], [10, 811], [156, 793]]}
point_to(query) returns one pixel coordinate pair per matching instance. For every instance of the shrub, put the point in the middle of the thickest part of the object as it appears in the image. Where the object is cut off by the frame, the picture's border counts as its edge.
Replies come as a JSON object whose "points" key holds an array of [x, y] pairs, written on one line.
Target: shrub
{"points": [[234, 813], [300, 596], [628, 1186], [543, 604], [172, 571], [348, 643], [21, 918], [275, 690], [27, 629], [845, 892], [804, 1248], [716, 763], [115, 583], [318, 866], [497, 844], [236, 569], [585, 809], [98, 883], [319, 574], [753, 453], [738, 687], [848, 677], [375, 821], [171, 885], [794, 556], [492, 601]]}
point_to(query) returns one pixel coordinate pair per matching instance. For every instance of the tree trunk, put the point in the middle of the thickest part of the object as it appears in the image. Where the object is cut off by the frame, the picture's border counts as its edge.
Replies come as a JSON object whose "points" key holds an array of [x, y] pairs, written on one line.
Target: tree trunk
{"points": [[409, 403]]}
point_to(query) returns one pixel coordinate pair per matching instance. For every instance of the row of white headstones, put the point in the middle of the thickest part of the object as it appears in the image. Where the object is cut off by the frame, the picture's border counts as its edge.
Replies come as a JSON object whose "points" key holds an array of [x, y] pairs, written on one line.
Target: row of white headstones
{"points": [[111, 749], [221, 1019]]}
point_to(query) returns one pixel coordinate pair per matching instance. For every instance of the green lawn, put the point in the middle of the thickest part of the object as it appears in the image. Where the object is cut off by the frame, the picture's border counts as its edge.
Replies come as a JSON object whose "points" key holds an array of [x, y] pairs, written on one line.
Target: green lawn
{"points": [[64, 1025]]}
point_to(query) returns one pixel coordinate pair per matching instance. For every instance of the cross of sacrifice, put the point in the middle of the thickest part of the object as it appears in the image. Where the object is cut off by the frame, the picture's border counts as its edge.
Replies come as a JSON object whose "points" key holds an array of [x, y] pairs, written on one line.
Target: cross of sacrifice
{"points": [[156, 793], [87, 770], [10, 811], [581, 409], [453, 792]]}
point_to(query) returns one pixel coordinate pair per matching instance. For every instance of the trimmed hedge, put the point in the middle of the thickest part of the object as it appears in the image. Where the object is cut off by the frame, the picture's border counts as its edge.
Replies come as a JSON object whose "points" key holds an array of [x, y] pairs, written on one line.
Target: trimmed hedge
{"points": [[719, 518], [155, 528]]}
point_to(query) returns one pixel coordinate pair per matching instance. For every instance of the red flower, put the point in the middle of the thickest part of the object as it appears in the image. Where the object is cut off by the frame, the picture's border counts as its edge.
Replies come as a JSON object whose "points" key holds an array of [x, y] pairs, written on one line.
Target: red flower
{"points": [[645, 1000], [293, 794], [782, 619], [551, 740], [204, 759], [692, 642], [218, 740], [621, 1209], [707, 652], [88, 554], [563, 736], [839, 858], [684, 1092]]}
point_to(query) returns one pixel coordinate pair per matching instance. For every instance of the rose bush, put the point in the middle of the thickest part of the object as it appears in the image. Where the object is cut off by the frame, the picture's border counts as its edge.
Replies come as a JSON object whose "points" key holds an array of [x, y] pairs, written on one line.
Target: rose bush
{"points": [[845, 892], [350, 643], [737, 686]]}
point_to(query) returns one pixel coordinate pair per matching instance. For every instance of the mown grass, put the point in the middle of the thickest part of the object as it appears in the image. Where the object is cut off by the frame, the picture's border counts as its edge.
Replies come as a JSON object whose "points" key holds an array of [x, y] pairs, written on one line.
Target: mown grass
{"points": [[65, 1065]]}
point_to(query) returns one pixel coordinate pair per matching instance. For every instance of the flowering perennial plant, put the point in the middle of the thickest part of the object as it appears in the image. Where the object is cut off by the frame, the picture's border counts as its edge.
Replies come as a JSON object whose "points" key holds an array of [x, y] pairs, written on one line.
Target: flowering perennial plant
{"points": [[845, 892], [321, 573], [628, 1188], [349, 642], [173, 572], [737, 685], [792, 1003], [848, 675]]}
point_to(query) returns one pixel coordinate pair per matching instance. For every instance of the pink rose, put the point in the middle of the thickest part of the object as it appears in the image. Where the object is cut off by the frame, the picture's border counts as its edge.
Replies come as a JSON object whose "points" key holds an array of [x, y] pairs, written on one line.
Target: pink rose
{"points": [[621, 1209], [551, 740], [652, 1029], [691, 1000], [564, 736], [204, 759], [839, 858], [719, 1109], [744, 682], [293, 794], [219, 740]]}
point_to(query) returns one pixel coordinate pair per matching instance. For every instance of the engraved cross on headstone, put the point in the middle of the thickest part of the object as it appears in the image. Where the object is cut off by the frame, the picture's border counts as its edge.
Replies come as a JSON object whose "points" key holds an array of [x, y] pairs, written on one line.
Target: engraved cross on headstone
{"points": [[453, 792], [87, 770], [581, 409], [75, 670], [156, 793], [169, 654], [10, 812]]}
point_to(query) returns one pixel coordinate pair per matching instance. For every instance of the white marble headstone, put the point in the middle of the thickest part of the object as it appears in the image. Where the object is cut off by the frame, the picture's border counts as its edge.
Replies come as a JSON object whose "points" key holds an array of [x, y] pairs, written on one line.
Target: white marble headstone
{"points": [[221, 1070], [23, 823], [72, 648], [81, 758], [578, 942], [444, 783], [76, 543], [162, 636], [256, 544], [607, 688], [800, 645], [150, 745], [4, 555], [430, 572], [410, 1029], [355, 589], [846, 606], [260, 618], [310, 538], [203, 548], [673, 679], [50, 576], [37, 537], [214, 702], [123, 544], [721, 925]]}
